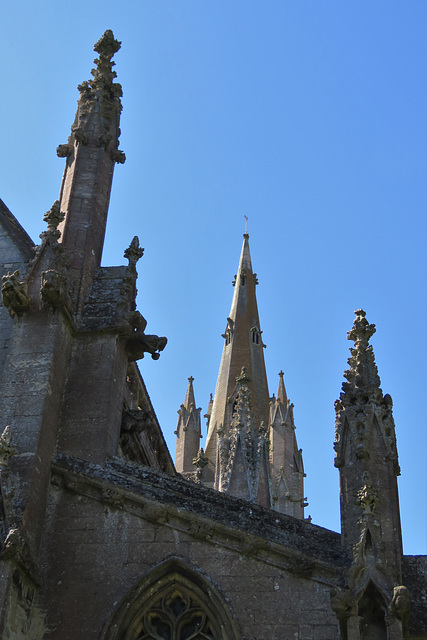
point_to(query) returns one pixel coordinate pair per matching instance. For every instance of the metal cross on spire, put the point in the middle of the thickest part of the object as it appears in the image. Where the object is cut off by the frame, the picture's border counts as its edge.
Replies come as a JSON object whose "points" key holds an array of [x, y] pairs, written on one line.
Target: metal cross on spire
{"points": [[246, 223]]}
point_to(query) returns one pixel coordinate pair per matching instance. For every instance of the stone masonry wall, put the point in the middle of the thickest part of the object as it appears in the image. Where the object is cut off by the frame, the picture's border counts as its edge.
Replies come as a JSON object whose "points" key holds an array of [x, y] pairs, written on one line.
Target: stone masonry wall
{"points": [[95, 536], [95, 545]]}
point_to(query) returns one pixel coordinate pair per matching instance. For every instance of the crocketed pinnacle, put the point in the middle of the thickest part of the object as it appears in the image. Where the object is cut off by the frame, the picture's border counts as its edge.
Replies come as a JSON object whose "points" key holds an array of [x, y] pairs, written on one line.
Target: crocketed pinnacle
{"points": [[363, 382], [103, 74], [99, 105], [91, 152]]}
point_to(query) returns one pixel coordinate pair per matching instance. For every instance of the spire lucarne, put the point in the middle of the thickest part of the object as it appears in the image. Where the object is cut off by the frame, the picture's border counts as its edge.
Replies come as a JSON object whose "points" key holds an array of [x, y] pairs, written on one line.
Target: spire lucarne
{"points": [[243, 422]]}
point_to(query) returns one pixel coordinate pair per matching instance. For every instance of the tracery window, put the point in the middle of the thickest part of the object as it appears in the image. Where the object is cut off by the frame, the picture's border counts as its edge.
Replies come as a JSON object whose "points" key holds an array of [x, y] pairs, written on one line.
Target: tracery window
{"points": [[172, 602], [176, 616]]}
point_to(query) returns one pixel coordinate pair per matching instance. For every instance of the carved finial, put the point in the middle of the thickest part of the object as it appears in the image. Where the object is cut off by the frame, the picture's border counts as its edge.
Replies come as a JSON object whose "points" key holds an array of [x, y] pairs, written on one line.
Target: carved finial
{"points": [[243, 376], [362, 376], [281, 374], [361, 329], [97, 118], [191, 379], [106, 46], [53, 217], [134, 252]]}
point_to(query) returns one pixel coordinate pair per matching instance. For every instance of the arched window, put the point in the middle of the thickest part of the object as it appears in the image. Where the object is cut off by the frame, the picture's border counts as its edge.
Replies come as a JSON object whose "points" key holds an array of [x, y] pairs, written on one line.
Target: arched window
{"points": [[173, 602]]}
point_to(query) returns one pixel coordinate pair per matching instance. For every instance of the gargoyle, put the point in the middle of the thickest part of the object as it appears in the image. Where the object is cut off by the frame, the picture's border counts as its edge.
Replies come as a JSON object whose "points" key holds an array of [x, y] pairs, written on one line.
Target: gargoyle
{"points": [[14, 294], [140, 343], [54, 289]]}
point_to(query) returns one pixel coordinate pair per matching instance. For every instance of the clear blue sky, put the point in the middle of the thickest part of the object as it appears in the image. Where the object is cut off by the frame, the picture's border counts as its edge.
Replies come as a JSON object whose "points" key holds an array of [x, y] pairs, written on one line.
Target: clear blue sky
{"points": [[309, 117]]}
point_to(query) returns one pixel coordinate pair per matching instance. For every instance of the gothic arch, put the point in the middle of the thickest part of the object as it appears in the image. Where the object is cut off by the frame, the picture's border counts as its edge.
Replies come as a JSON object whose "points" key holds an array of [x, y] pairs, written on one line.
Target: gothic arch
{"points": [[172, 602], [372, 612]]}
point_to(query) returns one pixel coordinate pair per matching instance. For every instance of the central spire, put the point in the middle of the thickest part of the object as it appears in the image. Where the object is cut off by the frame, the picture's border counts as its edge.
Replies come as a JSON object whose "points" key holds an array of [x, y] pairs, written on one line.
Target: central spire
{"points": [[243, 347], [251, 449]]}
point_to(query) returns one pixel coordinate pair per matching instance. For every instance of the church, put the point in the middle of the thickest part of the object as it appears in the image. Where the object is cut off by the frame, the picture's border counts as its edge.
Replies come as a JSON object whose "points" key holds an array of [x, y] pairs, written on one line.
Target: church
{"points": [[103, 536]]}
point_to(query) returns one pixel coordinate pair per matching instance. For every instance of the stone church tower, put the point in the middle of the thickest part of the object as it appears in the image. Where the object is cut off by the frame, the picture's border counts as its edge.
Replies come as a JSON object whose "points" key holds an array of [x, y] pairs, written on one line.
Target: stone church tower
{"points": [[102, 538]]}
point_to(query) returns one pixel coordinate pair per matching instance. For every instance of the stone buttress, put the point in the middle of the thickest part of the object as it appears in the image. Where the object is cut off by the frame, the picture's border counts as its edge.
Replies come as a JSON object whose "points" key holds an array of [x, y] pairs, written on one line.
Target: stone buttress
{"points": [[374, 603], [73, 335]]}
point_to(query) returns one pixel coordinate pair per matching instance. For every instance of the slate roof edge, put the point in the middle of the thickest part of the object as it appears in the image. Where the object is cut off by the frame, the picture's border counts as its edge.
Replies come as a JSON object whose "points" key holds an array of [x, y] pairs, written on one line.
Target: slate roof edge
{"points": [[16, 232], [284, 541]]}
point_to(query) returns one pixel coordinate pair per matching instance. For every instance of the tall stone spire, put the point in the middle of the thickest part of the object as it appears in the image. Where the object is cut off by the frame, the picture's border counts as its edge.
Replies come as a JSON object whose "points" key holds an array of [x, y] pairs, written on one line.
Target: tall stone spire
{"points": [[188, 432], [366, 455], [242, 421], [91, 152], [243, 347]]}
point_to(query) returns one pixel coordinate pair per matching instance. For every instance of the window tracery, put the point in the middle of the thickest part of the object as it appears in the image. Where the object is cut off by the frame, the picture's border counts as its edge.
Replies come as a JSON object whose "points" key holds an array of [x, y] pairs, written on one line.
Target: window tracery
{"points": [[176, 616], [171, 602]]}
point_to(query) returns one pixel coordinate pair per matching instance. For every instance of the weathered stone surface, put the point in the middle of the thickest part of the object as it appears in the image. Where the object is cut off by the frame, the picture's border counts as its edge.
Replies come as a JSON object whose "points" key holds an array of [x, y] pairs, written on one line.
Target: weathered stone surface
{"points": [[414, 570]]}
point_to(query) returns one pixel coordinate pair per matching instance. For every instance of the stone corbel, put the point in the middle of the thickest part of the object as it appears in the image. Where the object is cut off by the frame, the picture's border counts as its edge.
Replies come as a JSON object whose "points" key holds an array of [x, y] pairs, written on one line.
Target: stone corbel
{"points": [[112, 498]]}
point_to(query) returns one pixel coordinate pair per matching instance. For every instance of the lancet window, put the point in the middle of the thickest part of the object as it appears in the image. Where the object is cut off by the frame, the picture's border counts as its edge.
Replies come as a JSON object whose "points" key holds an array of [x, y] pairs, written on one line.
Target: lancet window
{"points": [[256, 337]]}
